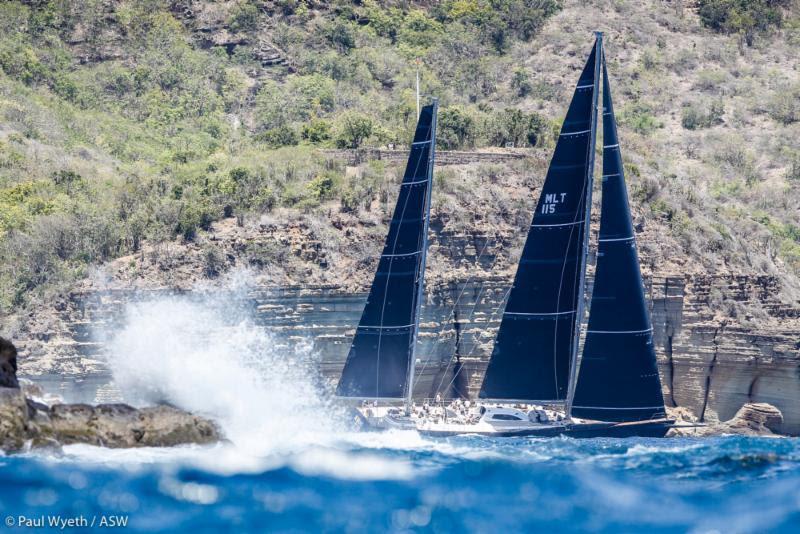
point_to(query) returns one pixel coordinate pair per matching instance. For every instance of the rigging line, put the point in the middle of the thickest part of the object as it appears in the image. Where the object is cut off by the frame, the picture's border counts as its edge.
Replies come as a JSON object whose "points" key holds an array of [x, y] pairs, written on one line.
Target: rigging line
{"points": [[463, 290], [450, 361], [474, 345], [578, 213], [389, 274]]}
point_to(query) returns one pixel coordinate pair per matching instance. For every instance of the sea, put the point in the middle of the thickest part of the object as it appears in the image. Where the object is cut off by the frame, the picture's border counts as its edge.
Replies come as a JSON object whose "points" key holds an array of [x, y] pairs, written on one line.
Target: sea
{"points": [[292, 463]]}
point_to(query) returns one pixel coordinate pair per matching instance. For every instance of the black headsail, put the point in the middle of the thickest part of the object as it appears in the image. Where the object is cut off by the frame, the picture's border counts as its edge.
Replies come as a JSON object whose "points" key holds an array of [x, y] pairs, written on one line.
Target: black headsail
{"points": [[531, 355], [618, 377], [380, 362]]}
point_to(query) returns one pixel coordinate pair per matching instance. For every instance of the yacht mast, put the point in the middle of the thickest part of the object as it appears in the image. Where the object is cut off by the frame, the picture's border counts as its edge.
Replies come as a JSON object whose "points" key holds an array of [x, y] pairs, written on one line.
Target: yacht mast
{"points": [[573, 367], [421, 273]]}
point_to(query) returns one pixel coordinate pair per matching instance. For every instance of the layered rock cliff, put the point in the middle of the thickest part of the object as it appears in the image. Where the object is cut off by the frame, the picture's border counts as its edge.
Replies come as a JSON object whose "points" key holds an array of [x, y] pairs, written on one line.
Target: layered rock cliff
{"points": [[708, 364]]}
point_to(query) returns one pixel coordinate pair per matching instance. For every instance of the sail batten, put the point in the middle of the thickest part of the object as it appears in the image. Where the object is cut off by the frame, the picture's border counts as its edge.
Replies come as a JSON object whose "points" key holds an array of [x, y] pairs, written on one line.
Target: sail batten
{"points": [[618, 377], [530, 358], [379, 359]]}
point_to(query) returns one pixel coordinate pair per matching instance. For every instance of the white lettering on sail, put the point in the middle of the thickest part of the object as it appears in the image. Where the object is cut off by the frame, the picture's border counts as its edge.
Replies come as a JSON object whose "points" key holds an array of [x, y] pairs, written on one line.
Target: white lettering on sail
{"points": [[551, 200]]}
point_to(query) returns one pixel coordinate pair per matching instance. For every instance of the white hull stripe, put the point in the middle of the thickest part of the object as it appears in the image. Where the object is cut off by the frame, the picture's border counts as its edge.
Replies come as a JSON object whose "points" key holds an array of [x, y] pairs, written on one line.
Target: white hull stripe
{"points": [[616, 239], [611, 146], [400, 255], [413, 183], [620, 331], [609, 408], [557, 313], [575, 133], [554, 225]]}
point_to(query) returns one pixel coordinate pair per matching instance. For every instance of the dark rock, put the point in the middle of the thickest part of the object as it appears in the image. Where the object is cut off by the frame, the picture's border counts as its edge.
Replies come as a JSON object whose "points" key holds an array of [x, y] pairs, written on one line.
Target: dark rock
{"points": [[8, 364], [26, 423]]}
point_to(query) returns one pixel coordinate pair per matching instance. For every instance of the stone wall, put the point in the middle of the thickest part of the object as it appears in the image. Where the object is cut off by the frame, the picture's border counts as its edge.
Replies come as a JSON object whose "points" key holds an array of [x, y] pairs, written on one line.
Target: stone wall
{"points": [[443, 157]]}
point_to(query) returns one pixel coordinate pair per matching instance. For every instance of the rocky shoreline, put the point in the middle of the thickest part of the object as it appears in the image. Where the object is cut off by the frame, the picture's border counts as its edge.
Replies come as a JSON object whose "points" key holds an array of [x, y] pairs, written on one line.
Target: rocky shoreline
{"points": [[752, 419], [26, 422]]}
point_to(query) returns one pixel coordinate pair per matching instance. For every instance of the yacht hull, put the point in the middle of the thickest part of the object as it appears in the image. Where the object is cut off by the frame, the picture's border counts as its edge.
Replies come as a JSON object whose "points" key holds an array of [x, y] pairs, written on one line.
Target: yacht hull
{"points": [[644, 429]]}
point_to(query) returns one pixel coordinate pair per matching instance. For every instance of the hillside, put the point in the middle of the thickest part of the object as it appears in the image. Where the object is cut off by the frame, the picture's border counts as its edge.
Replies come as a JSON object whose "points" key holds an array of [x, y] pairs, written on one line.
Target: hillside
{"points": [[157, 143]]}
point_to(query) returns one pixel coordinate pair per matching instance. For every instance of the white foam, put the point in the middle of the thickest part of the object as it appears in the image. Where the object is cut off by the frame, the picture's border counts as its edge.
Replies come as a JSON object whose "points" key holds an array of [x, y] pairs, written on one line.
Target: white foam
{"points": [[190, 353], [204, 354], [349, 466]]}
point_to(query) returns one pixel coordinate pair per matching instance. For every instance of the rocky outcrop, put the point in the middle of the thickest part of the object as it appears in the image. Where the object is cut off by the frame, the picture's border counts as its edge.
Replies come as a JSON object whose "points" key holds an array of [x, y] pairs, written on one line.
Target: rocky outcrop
{"points": [[8, 364], [25, 422], [752, 419]]}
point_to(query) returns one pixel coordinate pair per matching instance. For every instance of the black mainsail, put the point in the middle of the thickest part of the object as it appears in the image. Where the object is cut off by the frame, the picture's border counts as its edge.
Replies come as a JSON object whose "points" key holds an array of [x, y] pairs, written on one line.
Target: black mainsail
{"points": [[532, 352], [380, 363], [618, 377]]}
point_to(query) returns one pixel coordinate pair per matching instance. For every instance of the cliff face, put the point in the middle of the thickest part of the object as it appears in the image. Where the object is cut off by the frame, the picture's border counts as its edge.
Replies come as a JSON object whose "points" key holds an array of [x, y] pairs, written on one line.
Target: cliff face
{"points": [[707, 364]]}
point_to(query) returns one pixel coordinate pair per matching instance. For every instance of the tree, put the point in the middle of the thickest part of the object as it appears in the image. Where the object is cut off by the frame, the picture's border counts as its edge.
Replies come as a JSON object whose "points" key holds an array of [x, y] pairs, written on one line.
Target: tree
{"points": [[352, 129], [456, 128]]}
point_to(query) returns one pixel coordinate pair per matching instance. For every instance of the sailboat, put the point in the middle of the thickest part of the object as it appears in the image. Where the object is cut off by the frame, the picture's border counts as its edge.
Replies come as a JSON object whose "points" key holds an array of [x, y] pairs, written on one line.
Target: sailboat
{"points": [[535, 383]]}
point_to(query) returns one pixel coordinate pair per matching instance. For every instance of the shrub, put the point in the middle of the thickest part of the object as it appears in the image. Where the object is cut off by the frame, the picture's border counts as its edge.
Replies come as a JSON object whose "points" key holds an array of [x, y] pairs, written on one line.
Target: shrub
{"points": [[784, 105], [745, 17], [512, 126], [244, 17], [793, 172], [278, 137], [352, 128], [322, 186], [694, 117], [456, 128], [521, 83], [640, 118], [317, 131], [193, 216]]}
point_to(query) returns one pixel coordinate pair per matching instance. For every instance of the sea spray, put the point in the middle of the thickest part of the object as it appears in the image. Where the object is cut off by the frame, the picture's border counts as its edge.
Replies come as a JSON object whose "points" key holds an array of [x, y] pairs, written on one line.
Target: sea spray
{"points": [[203, 352]]}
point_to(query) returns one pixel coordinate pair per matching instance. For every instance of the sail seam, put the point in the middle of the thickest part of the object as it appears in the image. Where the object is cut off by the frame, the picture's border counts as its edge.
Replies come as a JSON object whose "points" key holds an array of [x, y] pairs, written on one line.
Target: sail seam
{"points": [[553, 225], [413, 183], [575, 133], [385, 327], [610, 408], [607, 240], [611, 146], [400, 255], [532, 313], [620, 331], [584, 86], [419, 143]]}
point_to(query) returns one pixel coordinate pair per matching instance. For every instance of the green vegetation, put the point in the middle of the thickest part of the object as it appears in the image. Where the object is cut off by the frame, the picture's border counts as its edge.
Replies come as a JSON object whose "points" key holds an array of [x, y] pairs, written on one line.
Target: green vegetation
{"points": [[121, 126], [695, 116], [745, 17], [124, 126]]}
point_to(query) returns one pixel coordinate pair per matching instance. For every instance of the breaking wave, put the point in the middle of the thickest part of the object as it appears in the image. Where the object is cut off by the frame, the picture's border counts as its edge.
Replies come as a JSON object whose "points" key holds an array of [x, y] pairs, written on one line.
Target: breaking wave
{"points": [[205, 354]]}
